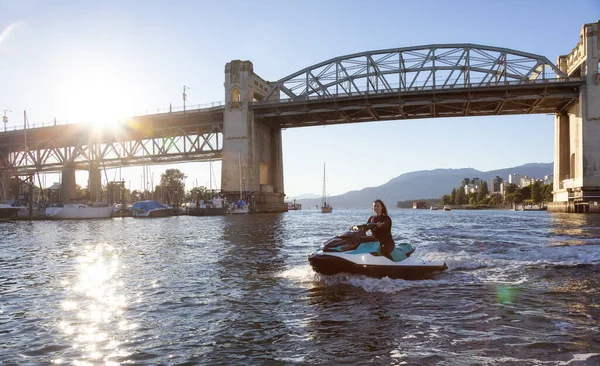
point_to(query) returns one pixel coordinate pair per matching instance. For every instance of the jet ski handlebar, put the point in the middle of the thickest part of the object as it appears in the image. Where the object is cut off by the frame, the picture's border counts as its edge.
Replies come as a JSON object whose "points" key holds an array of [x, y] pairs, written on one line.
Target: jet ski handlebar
{"points": [[362, 227]]}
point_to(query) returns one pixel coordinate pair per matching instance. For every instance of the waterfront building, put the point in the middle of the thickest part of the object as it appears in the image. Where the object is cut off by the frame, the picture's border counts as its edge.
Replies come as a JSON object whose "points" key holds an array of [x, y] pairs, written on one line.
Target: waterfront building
{"points": [[495, 186], [514, 178], [464, 182]]}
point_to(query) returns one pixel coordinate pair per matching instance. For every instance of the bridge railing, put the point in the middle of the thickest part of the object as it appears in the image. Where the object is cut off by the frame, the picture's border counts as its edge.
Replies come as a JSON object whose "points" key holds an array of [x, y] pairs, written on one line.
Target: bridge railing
{"points": [[176, 109], [397, 88]]}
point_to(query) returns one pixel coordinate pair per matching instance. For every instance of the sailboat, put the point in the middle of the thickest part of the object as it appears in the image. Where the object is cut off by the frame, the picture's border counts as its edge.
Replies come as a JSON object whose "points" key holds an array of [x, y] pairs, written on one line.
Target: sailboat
{"points": [[240, 206], [325, 207]]}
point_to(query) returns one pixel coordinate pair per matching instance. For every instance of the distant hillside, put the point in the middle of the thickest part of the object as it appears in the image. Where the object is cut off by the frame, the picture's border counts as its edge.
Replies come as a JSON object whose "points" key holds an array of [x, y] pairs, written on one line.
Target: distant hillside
{"points": [[424, 184]]}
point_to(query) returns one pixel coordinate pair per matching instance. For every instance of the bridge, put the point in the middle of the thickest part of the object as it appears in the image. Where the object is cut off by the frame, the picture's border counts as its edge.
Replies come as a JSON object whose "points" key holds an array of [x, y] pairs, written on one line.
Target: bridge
{"points": [[430, 81]]}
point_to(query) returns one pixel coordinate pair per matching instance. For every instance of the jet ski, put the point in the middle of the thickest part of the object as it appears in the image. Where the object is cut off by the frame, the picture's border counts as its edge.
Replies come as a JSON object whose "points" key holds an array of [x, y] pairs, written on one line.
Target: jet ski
{"points": [[355, 252]]}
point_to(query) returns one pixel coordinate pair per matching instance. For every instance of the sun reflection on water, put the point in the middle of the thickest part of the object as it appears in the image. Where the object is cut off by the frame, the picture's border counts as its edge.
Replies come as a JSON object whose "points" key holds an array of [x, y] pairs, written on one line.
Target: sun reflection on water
{"points": [[94, 306]]}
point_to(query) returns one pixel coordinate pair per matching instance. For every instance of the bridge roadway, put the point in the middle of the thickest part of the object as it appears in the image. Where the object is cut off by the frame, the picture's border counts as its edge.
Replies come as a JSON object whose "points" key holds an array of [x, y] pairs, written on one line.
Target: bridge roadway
{"points": [[536, 97], [194, 135], [151, 139]]}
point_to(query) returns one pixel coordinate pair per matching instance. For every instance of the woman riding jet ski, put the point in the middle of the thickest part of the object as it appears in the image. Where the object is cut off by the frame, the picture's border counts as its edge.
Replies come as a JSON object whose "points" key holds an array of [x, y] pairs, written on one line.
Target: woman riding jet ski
{"points": [[357, 253]]}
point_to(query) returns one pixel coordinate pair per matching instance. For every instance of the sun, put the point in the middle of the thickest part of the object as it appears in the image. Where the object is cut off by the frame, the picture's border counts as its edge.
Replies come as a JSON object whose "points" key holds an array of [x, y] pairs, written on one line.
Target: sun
{"points": [[95, 94]]}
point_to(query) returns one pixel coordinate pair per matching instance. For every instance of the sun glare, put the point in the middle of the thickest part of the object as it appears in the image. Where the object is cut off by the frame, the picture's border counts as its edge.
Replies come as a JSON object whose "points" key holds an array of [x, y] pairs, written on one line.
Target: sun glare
{"points": [[95, 95]]}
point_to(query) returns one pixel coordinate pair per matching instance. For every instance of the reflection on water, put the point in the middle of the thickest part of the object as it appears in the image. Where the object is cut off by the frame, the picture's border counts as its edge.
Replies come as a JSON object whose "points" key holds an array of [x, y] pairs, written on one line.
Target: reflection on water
{"points": [[572, 229], [238, 289], [94, 305]]}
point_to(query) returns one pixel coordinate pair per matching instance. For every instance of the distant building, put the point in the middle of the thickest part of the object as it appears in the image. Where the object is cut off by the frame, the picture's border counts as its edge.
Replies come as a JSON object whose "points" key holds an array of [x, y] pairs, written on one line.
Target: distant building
{"points": [[476, 182], [471, 188], [526, 181], [496, 182], [419, 205], [464, 182], [548, 179], [514, 178]]}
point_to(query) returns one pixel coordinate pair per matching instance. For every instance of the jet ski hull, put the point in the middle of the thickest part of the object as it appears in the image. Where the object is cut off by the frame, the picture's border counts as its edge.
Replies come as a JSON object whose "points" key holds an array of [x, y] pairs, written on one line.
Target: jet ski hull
{"points": [[410, 269]]}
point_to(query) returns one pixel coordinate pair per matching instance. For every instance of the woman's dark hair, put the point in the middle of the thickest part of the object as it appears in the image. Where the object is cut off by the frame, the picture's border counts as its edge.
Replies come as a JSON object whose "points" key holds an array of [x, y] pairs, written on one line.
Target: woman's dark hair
{"points": [[383, 208]]}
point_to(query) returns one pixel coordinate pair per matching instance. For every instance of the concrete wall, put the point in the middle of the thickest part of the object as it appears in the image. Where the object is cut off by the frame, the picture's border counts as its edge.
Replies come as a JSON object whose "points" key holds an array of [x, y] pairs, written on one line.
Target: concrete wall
{"points": [[258, 145], [577, 133]]}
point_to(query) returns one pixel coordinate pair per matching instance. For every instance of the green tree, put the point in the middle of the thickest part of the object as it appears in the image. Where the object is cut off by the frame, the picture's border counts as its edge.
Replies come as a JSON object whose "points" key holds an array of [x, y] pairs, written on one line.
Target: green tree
{"points": [[547, 192], [473, 201], [525, 192], [518, 198], [460, 197], [511, 188], [483, 192], [172, 182], [536, 192], [446, 200], [453, 196]]}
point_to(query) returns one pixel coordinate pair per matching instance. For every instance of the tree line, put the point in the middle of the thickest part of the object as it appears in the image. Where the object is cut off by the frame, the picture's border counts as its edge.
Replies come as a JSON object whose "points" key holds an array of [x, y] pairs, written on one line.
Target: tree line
{"points": [[170, 190], [535, 194]]}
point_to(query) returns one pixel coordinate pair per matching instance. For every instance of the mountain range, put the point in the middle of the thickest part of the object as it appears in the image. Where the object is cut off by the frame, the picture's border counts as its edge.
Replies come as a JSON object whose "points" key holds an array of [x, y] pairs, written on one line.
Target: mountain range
{"points": [[424, 184]]}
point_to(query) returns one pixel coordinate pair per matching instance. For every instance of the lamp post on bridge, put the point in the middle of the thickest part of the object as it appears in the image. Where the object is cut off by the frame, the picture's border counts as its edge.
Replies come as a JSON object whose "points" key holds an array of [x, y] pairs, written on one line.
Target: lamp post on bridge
{"points": [[184, 96], [5, 119]]}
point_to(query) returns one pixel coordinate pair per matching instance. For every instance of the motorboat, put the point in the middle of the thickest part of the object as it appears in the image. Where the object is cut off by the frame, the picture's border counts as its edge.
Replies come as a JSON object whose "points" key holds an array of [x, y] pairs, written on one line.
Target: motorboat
{"points": [[215, 207], [355, 252], [8, 212], [78, 211], [149, 208], [447, 208]]}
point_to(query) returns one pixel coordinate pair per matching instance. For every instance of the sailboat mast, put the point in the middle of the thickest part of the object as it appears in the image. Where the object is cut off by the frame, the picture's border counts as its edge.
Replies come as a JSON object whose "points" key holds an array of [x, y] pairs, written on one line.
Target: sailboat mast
{"points": [[240, 166], [324, 188]]}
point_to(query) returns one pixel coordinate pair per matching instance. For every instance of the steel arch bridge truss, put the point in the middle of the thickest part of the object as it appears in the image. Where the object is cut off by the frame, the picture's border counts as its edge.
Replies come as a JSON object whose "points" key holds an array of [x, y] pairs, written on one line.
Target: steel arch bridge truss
{"points": [[431, 67], [50, 157], [419, 82]]}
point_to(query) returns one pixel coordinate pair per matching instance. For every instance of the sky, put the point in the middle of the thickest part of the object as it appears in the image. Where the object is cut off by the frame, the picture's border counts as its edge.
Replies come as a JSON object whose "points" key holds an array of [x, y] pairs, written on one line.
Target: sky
{"points": [[96, 61]]}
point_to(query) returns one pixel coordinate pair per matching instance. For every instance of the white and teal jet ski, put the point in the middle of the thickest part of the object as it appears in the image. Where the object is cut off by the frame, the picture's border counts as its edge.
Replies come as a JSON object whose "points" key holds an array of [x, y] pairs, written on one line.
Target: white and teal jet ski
{"points": [[355, 252]]}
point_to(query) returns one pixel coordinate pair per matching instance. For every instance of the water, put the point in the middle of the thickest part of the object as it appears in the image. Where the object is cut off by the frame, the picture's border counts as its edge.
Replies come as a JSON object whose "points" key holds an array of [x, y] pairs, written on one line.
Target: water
{"points": [[521, 288]]}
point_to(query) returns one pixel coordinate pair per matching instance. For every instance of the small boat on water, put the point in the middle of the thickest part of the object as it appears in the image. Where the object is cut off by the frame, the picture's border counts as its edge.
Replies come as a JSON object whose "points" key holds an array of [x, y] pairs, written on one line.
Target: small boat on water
{"points": [[8, 212], [447, 208], [433, 208], [149, 208], [240, 206], [325, 207], [215, 207], [78, 211]]}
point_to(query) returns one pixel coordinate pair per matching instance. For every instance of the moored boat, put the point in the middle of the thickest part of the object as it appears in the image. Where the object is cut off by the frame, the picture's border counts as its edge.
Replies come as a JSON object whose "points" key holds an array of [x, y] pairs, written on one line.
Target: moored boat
{"points": [[149, 208], [78, 211], [8, 212]]}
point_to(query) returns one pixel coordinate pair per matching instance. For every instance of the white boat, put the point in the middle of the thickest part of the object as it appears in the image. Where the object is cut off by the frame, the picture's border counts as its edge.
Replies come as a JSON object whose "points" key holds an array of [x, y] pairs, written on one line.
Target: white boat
{"points": [[433, 208], [78, 211], [447, 208], [325, 207], [8, 212], [240, 206]]}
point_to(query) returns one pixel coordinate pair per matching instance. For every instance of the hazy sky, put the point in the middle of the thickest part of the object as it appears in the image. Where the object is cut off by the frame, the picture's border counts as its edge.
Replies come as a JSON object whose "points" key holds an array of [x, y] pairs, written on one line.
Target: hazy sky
{"points": [[94, 60]]}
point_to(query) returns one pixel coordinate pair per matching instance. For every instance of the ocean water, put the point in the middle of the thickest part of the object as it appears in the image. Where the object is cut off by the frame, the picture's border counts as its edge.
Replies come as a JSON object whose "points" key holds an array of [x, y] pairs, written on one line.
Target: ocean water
{"points": [[522, 288]]}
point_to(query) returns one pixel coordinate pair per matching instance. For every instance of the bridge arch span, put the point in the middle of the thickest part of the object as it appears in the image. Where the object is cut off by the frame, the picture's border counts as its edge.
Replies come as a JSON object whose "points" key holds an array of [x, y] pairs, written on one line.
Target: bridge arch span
{"points": [[427, 67]]}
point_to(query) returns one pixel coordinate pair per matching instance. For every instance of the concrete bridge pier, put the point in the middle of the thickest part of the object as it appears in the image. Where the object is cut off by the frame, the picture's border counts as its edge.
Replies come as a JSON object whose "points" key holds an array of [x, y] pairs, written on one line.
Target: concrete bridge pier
{"points": [[5, 185], [252, 152], [577, 132], [95, 184], [68, 186]]}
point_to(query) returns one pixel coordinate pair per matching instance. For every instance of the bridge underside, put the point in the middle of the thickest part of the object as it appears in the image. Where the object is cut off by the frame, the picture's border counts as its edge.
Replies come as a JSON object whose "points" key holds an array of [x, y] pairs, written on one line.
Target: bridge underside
{"points": [[460, 102]]}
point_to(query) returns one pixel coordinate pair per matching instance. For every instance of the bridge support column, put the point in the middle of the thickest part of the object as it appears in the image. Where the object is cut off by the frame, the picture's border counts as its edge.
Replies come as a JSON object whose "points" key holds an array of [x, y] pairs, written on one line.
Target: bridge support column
{"points": [[68, 186], [95, 184], [5, 185], [252, 152], [577, 132]]}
